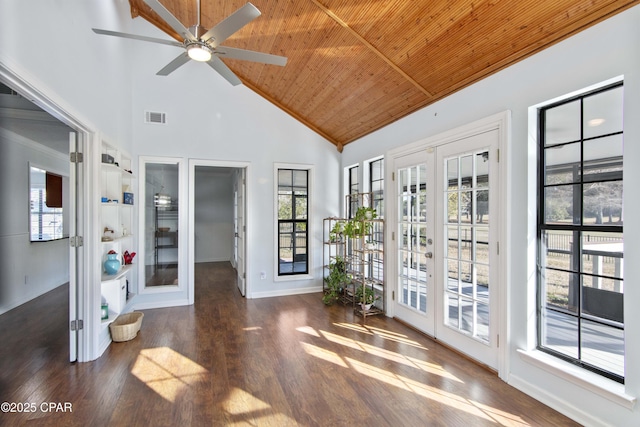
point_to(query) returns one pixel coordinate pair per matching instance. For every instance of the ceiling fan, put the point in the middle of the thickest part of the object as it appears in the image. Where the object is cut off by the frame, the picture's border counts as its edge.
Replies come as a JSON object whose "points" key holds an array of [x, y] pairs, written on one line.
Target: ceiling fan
{"points": [[204, 45]]}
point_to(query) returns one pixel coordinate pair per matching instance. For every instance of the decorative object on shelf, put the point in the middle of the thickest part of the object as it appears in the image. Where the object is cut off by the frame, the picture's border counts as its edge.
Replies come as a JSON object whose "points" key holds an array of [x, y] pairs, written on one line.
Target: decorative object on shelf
{"points": [[126, 326], [127, 198], [107, 158], [365, 297], [336, 280], [128, 257], [108, 235], [112, 264], [104, 310]]}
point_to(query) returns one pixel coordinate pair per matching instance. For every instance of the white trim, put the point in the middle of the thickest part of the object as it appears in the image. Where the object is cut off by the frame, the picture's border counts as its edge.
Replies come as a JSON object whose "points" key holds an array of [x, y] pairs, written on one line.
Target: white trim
{"points": [[502, 123], [587, 380], [23, 82], [311, 248], [287, 292], [543, 360], [191, 218], [182, 225], [160, 304]]}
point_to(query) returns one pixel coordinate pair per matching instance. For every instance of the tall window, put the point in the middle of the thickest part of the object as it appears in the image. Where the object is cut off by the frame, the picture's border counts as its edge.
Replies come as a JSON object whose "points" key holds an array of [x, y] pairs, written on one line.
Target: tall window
{"points": [[376, 185], [353, 189], [293, 205], [580, 231]]}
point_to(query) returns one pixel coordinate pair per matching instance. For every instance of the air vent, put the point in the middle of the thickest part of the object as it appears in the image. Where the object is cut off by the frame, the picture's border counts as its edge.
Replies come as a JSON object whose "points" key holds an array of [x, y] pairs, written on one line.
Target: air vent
{"points": [[154, 117]]}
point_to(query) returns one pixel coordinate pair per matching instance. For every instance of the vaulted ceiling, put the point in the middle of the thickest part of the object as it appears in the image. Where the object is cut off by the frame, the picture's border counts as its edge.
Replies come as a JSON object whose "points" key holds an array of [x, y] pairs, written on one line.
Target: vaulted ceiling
{"points": [[355, 66]]}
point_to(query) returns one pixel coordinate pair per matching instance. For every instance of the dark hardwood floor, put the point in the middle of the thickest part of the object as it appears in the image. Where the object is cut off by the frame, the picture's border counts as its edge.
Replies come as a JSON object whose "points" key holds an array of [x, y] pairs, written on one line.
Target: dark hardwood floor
{"points": [[228, 360]]}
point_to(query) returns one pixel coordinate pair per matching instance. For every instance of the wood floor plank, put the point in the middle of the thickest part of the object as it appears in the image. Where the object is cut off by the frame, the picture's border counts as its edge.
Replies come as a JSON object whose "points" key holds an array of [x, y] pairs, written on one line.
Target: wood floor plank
{"points": [[226, 360]]}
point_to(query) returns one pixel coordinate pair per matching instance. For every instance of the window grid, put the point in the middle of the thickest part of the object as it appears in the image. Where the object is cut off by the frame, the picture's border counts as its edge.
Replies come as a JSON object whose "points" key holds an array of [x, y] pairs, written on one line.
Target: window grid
{"points": [[353, 189], [293, 194], [580, 235]]}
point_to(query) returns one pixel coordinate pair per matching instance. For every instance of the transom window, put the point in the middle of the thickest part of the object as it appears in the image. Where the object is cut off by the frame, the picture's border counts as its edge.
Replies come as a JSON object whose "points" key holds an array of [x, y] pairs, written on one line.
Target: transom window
{"points": [[580, 231], [293, 205]]}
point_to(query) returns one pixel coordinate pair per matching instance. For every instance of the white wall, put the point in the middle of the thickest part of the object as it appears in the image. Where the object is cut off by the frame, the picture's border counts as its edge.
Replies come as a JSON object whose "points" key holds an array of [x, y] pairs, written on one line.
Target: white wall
{"points": [[209, 119], [607, 50], [213, 215], [27, 270]]}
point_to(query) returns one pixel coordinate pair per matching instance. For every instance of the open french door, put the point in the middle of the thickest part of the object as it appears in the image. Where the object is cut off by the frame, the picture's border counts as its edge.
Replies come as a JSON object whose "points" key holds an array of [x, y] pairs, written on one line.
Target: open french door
{"points": [[76, 253]]}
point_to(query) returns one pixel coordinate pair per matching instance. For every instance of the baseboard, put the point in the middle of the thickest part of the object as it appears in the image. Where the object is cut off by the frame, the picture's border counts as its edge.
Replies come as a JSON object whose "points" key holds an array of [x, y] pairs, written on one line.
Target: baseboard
{"points": [[159, 304], [555, 402], [286, 292], [27, 298]]}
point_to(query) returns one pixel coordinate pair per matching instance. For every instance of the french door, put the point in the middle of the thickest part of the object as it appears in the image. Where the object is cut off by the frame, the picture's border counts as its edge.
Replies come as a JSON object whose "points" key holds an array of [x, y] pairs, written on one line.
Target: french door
{"points": [[446, 243]]}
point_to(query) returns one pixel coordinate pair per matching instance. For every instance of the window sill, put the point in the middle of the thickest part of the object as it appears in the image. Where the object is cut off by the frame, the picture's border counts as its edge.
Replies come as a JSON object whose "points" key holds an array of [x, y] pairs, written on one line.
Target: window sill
{"points": [[293, 278], [611, 390]]}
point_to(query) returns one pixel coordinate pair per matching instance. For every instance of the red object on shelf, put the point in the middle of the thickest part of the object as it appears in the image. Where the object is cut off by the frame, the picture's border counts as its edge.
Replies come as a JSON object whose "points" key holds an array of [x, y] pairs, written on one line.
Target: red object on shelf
{"points": [[128, 257]]}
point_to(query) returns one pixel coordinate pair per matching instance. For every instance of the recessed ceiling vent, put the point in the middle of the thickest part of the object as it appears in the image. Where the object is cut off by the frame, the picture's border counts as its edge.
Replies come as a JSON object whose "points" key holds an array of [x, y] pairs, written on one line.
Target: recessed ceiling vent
{"points": [[154, 117]]}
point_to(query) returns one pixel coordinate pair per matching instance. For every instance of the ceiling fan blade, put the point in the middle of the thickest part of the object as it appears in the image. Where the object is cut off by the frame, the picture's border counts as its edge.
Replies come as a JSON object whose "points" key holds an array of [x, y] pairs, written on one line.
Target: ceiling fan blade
{"points": [[182, 59], [136, 37], [250, 55], [232, 23], [173, 22], [224, 71]]}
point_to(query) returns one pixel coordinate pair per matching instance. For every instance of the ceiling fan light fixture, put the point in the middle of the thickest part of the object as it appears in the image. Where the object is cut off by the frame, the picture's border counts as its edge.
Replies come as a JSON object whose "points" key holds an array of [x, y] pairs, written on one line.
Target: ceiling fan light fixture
{"points": [[199, 52]]}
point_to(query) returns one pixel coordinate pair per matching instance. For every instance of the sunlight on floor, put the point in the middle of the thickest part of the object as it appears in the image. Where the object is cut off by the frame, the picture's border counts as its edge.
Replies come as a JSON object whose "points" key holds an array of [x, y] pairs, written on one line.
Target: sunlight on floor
{"points": [[167, 372], [249, 410], [402, 382]]}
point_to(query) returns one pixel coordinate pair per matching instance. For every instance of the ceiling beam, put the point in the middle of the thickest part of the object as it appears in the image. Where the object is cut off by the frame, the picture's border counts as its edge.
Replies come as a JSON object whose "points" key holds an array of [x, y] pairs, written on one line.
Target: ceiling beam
{"points": [[371, 47]]}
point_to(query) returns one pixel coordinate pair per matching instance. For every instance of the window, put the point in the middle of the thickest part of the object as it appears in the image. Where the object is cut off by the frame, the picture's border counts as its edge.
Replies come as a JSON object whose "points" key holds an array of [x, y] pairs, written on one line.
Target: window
{"points": [[46, 219], [293, 205], [580, 231], [353, 189], [376, 185]]}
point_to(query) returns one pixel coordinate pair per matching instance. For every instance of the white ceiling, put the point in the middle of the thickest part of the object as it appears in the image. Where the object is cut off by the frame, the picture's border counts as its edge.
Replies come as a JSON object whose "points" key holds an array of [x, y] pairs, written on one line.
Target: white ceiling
{"points": [[21, 116]]}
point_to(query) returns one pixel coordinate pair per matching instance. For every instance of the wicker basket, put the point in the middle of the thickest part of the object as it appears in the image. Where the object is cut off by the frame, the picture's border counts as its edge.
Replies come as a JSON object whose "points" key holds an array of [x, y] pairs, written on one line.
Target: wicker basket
{"points": [[126, 326]]}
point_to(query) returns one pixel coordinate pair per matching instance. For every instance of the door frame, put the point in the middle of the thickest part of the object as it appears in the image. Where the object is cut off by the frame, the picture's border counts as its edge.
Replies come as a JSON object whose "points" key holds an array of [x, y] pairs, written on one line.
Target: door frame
{"points": [[191, 195], [502, 123], [81, 342]]}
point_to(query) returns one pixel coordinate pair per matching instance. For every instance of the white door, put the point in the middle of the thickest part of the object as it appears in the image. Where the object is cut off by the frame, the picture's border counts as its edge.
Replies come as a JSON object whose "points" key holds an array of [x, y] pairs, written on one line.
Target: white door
{"points": [[75, 252], [445, 243], [240, 226], [413, 234], [467, 276]]}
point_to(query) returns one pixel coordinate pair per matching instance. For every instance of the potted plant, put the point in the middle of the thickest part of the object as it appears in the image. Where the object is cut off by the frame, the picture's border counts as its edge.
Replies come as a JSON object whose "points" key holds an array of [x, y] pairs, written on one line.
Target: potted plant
{"points": [[365, 297], [336, 280], [335, 234], [359, 226]]}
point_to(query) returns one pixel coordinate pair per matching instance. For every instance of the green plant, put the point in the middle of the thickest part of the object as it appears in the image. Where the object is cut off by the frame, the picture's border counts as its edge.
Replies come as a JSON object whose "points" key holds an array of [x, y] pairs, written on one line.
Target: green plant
{"points": [[336, 231], [335, 281], [358, 225], [366, 295]]}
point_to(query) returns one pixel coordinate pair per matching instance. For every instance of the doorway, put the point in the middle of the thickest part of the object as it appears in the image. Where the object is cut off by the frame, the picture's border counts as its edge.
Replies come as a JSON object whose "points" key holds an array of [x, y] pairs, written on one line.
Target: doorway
{"points": [[448, 218], [217, 218], [45, 136]]}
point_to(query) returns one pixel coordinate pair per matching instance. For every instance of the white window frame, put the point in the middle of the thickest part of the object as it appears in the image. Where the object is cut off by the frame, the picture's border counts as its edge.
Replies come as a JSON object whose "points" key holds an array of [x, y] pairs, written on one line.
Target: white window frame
{"points": [[311, 247]]}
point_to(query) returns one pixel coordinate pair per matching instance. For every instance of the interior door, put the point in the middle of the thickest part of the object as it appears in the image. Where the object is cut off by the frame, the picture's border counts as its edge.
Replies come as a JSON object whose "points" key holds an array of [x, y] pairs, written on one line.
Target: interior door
{"points": [[466, 282], [240, 225], [414, 294], [75, 251]]}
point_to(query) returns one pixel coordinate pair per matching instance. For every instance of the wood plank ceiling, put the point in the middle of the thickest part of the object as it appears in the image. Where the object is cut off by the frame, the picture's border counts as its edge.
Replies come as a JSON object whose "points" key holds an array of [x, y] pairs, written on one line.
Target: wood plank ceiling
{"points": [[355, 66]]}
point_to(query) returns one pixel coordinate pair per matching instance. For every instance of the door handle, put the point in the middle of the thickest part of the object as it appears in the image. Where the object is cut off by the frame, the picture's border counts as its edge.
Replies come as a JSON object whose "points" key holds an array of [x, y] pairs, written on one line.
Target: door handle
{"points": [[429, 255]]}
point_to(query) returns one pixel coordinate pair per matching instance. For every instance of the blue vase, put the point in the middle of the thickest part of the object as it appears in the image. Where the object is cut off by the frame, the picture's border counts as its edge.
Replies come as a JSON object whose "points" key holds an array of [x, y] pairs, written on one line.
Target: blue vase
{"points": [[112, 264]]}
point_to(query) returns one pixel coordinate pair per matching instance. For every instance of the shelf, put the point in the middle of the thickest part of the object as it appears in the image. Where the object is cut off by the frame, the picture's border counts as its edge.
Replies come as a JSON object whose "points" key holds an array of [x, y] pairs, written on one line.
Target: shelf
{"points": [[113, 168], [123, 272]]}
